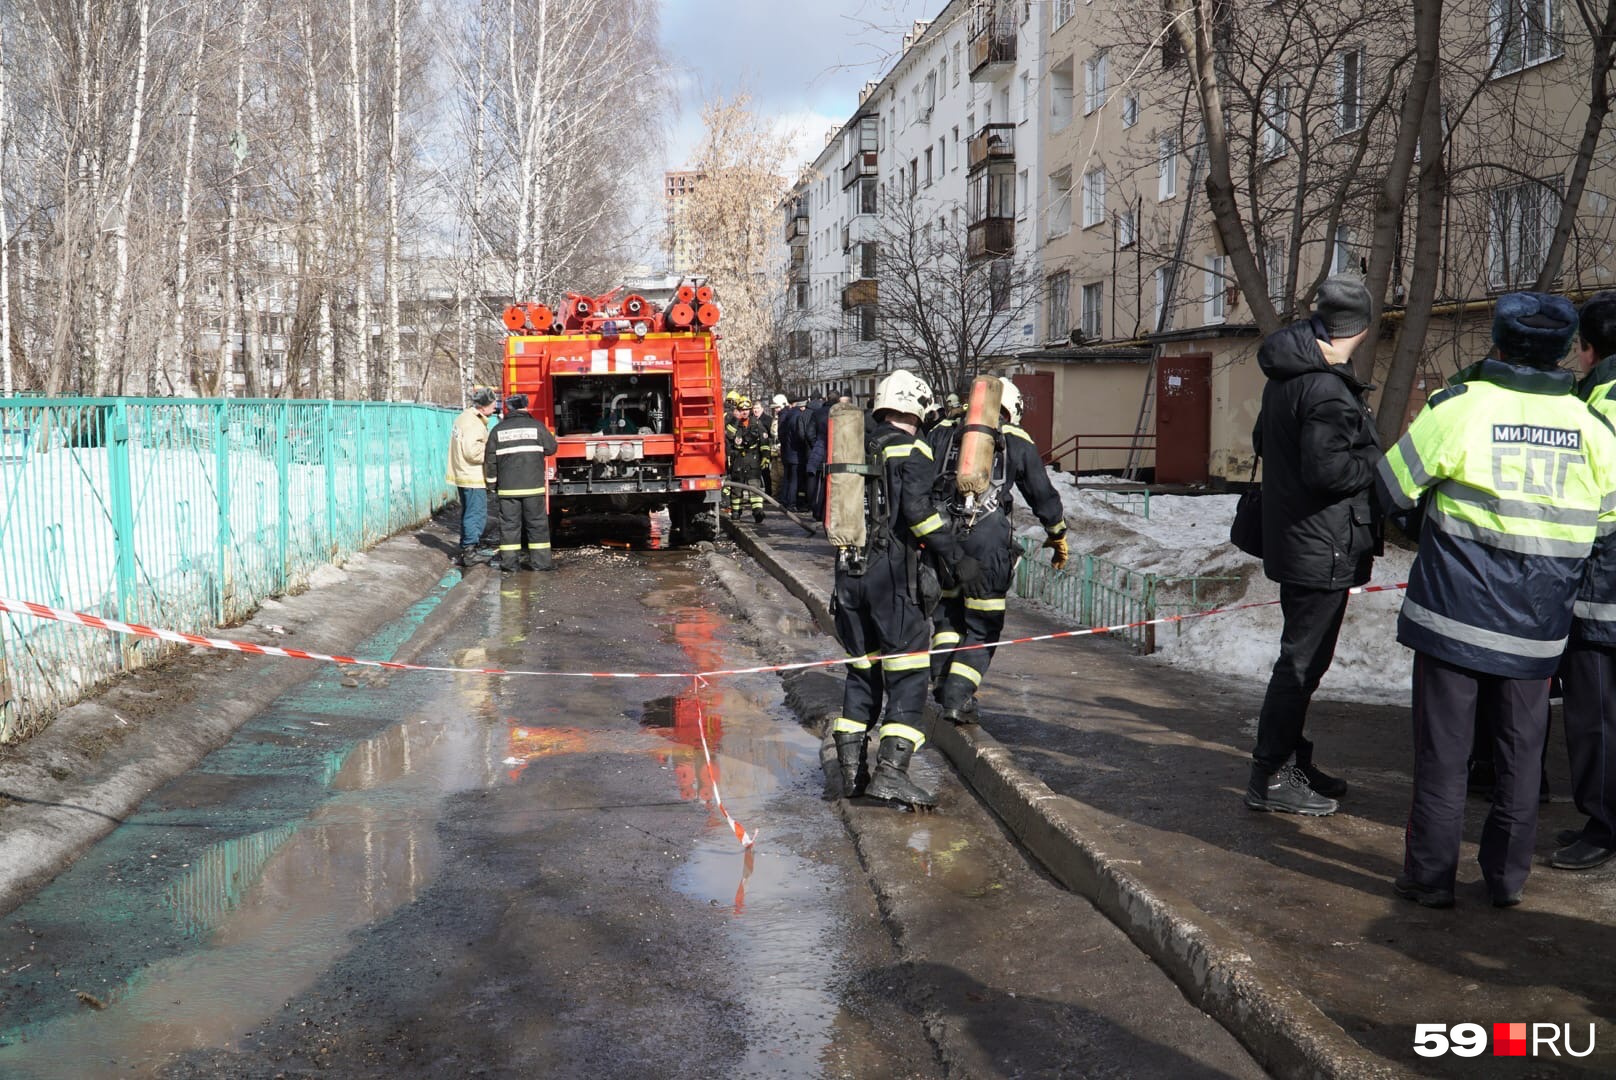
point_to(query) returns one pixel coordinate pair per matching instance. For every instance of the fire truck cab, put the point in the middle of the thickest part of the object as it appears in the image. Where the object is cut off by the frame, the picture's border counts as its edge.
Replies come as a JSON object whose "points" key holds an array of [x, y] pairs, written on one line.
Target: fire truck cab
{"points": [[633, 395]]}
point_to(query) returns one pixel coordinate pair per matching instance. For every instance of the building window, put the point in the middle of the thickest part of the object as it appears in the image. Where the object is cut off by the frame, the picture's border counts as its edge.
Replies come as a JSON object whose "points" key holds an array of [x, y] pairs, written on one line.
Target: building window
{"points": [[991, 193], [1130, 110], [1274, 266], [1021, 195], [1093, 197], [1522, 33], [866, 322], [1060, 95], [1026, 98], [1345, 261], [1058, 291], [867, 253], [1217, 299], [999, 284], [1161, 298], [957, 64], [1167, 168], [928, 166], [1522, 224], [957, 154], [1063, 11], [1127, 227], [1060, 202], [869, 135], [1276, 121], [914, 176], [1096, 69], [942, 77], [1093, 308], [1349, 90], [868, 195]]}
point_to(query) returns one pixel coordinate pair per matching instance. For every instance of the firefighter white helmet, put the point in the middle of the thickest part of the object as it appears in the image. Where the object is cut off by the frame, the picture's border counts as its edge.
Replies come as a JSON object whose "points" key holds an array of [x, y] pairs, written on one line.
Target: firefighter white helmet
{"points": [[779, 401], [1010, 401], [902, 392]]}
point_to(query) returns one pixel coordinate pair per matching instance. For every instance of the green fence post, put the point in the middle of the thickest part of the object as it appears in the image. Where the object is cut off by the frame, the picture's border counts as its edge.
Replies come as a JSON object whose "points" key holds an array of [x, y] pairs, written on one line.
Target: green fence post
{"points": [[1085, 609], [363, 464], [123, 515], [284, 496], [328, 442], [221, 458]]}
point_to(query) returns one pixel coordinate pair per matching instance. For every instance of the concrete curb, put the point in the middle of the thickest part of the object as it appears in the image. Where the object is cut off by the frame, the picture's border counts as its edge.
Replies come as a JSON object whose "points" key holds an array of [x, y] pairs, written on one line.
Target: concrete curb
{"points": [[1287, 1034], [75, 782]]}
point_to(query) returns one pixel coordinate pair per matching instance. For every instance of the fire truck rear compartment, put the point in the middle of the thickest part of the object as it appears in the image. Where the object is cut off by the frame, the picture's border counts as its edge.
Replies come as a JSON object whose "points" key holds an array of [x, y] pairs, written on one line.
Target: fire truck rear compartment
{"points": [[613, 404]]}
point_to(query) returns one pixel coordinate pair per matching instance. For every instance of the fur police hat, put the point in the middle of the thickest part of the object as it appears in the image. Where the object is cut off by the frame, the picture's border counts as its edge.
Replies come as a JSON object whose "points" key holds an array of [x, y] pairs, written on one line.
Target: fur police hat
{"points": [[516, 403], [1534, 328], [483, 398]]}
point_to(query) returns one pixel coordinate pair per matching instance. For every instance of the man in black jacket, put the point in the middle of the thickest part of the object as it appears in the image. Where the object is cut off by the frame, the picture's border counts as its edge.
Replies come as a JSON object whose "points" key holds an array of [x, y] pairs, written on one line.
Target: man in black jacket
{"points": [[1317, 440], [513, 467]]}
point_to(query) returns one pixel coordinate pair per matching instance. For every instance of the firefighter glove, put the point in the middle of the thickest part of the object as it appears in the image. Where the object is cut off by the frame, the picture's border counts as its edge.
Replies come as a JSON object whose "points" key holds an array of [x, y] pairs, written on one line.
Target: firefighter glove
{"points": [[1062, 551]]}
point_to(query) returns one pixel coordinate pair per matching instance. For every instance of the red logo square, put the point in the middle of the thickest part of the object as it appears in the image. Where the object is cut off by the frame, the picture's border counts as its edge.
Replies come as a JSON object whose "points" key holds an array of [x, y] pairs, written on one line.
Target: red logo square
{"points": [[1509, 1040]]}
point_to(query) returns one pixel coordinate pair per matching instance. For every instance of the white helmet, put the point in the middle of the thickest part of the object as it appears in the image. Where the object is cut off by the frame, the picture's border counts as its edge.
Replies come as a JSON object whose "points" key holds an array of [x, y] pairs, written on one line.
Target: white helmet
{"points": [[903, 392], [1010, 401], [779, 401]]}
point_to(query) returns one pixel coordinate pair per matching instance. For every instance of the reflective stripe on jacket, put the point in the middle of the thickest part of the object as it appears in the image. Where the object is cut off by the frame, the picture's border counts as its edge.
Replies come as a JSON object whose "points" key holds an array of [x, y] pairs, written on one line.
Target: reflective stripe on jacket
{"points": [[514, 462], [1514, 475]]}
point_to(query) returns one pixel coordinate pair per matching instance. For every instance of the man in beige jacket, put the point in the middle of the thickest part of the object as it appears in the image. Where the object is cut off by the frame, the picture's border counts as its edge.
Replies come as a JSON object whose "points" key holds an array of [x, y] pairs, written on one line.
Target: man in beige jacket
{"points": [[467, 443]]}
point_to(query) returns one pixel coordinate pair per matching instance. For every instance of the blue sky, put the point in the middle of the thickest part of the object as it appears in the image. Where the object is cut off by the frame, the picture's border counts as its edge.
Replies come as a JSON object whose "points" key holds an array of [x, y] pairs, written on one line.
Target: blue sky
{"points": [[802, 62]]}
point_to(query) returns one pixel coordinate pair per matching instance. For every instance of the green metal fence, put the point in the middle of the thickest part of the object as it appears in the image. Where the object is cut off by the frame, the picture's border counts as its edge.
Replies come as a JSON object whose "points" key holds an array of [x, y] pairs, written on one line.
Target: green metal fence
{"points": [[1097, 592], [185, 513]]}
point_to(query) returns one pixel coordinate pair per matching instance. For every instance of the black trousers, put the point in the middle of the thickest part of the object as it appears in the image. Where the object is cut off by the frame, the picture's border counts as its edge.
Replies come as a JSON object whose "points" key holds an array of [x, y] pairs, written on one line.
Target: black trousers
{"points": [[1588, 679], [1306, 647], [524, 528], [877, 616], [975, 620], [1446, 698], [790, 482]]}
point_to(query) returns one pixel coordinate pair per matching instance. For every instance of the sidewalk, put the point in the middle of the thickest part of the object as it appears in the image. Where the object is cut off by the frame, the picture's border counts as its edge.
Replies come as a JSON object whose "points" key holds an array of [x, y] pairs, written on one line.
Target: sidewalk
{"points": [[1284, 929]]}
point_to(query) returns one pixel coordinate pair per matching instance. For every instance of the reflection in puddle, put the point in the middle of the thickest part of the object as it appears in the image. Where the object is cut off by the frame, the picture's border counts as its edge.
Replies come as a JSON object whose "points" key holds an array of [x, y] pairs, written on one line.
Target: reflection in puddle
{"points": [[274, 907], [946, 856]]}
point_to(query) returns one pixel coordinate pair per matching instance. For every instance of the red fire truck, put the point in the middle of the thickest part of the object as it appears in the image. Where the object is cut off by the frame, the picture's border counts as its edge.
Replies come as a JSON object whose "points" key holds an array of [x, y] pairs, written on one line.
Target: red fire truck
{"points": [[633, 395]]}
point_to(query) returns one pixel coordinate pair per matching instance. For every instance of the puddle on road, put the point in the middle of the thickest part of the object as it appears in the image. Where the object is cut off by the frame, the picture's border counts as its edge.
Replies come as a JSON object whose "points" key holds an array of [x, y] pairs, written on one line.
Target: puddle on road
{"points": [[233, 889]]}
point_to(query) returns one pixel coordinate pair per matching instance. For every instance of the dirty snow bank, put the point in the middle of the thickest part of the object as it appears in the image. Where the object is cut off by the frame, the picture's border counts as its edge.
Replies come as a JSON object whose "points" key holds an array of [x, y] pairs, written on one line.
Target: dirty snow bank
{"points": [[1188, 535]]}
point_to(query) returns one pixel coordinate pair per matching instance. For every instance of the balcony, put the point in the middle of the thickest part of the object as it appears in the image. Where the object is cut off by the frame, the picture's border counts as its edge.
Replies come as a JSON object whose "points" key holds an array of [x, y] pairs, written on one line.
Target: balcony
{"points": [[861, 292], [990, 238], [797, 261], [797, 227], [993, 39], [865, 163], [995, 142]]}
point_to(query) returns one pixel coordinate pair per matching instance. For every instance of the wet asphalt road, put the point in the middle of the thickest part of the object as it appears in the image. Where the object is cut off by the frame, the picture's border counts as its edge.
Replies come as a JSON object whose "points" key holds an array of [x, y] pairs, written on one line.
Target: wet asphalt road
{"points": [[433, 875]]}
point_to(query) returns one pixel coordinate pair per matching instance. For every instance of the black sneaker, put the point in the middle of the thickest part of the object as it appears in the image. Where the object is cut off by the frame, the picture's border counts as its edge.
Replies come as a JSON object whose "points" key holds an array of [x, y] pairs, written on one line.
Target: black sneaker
{"points": [[1423, 895], [1331, 787], [1285, 792]]}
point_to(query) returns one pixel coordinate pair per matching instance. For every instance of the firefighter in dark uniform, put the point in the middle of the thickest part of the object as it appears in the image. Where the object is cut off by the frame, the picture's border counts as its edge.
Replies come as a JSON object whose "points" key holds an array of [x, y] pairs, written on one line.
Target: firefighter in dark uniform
{"points": [[514, 468], [746, 440], [984, 532], [878, 597], [1508, 477]]}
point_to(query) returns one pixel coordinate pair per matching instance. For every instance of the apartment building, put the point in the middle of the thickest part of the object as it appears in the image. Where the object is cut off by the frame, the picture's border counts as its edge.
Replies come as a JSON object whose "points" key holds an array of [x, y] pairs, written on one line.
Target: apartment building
{"points": [[679, 246], [931, 146], [1134, 265]]}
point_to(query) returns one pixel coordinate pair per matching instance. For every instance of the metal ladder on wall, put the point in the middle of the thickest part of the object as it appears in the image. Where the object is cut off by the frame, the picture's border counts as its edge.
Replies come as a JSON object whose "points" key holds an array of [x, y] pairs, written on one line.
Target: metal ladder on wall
{"points": [[1147, 404]]}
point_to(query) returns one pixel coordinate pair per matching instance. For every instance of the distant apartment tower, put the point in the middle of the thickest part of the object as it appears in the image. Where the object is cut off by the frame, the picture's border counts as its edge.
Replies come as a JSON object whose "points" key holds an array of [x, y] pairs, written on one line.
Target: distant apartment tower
{"points": [[677, 188]]}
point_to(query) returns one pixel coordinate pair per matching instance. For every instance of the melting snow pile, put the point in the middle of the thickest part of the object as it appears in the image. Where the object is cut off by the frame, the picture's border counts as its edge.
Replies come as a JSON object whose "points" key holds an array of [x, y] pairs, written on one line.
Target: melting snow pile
{"points": [[1188, 535]]}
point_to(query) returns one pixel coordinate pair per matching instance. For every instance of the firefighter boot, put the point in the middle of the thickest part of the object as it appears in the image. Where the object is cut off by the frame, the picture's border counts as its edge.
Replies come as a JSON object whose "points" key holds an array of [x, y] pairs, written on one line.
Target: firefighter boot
{"points": [[891, 778], [850, 756], [757, 515]]}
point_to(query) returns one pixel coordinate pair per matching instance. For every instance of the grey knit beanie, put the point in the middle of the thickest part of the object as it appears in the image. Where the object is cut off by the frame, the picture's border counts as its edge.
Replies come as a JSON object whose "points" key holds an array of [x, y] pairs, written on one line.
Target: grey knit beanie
{"points": [[1343, 305]]}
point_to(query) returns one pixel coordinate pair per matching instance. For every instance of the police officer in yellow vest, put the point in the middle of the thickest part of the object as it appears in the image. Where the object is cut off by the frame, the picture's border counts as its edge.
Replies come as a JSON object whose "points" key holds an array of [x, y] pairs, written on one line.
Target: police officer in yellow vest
{"points": [[1507, 477]]}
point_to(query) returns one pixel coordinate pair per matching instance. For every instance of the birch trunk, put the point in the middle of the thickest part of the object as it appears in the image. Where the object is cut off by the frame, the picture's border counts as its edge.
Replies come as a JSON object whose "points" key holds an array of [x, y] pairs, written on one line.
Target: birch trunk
{"points": [[5, 238], [231, 295], [468, 331], [169, 360], [120, 282], [395, 366], [361, 353], [325, 377]]}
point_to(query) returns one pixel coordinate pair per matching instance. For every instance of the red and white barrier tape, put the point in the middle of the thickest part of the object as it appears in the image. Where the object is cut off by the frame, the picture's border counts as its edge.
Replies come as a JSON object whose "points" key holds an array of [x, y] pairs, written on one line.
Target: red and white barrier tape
{"points": [[42, 611], [747, 839]]}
